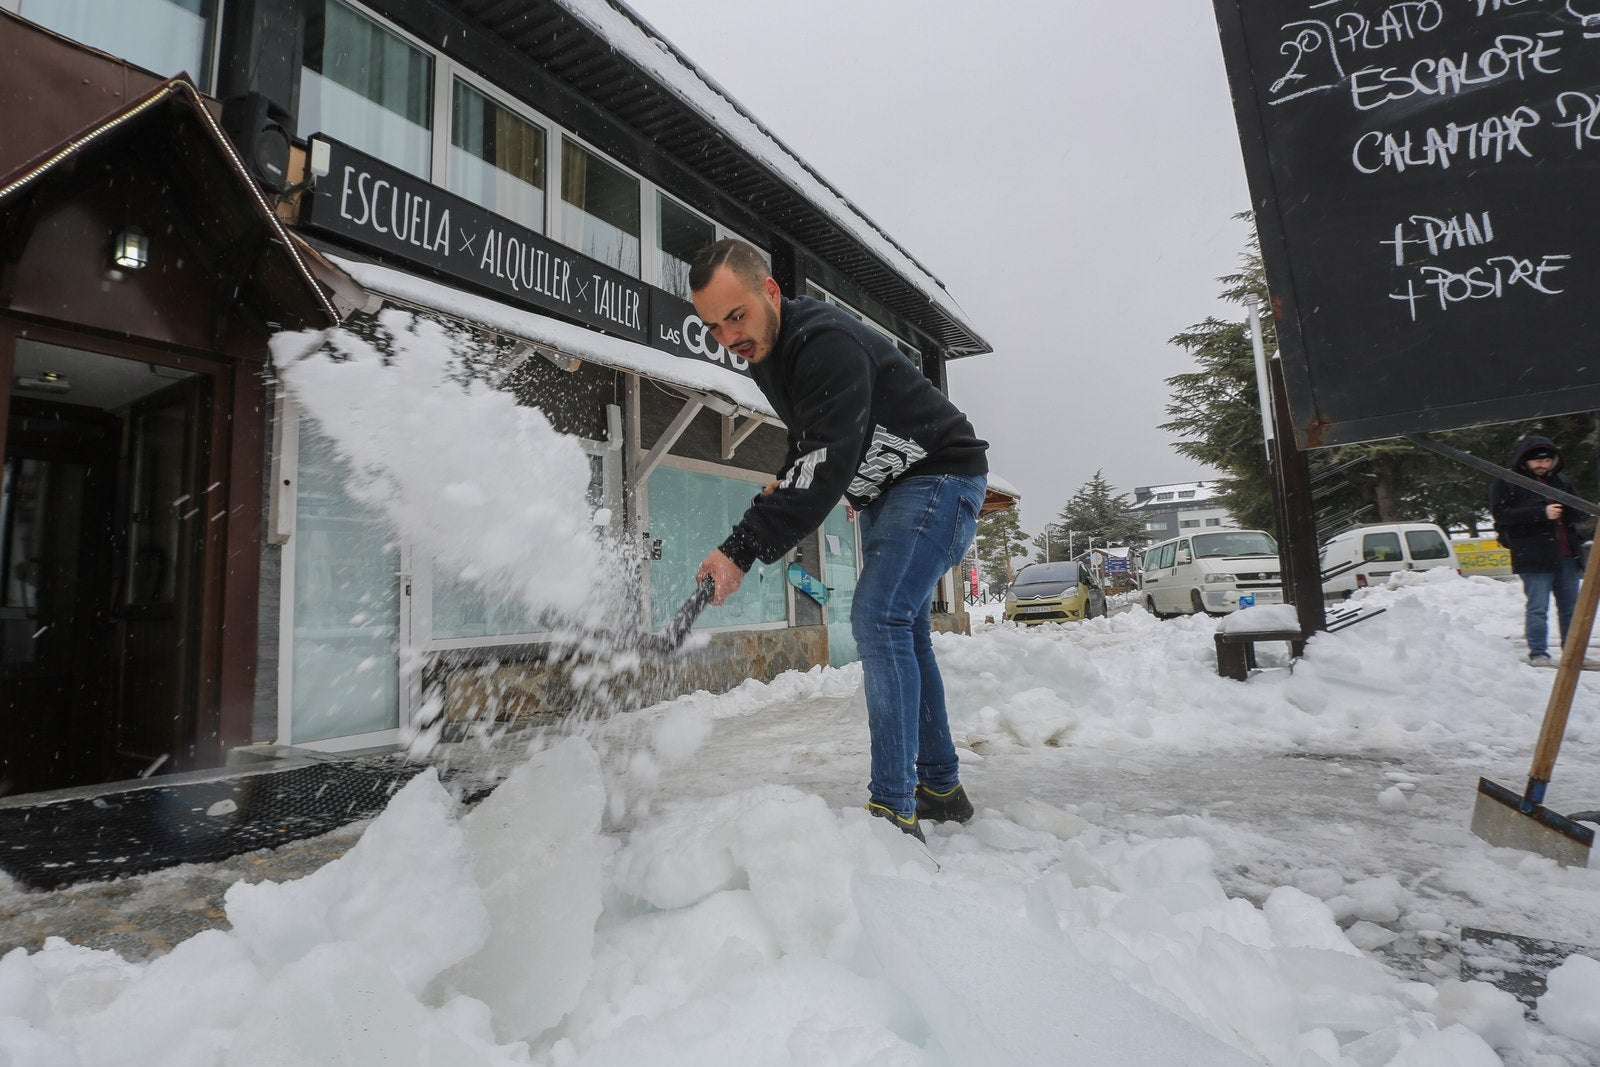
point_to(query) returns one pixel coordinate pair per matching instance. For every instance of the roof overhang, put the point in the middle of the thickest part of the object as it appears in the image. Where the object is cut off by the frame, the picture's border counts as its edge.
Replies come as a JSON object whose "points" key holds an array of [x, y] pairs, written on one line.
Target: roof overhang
{"points": [[170, 133]]}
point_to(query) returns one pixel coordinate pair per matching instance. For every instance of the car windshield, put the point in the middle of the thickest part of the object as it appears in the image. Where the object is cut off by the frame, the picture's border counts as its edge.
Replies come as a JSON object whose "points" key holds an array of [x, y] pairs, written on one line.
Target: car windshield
{"points": [[1234, 543], [1063, 573]]}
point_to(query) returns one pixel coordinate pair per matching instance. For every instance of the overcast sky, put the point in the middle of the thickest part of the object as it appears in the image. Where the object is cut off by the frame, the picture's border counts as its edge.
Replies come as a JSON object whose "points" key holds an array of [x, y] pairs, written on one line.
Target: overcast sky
{"points": [[1068, 168]]}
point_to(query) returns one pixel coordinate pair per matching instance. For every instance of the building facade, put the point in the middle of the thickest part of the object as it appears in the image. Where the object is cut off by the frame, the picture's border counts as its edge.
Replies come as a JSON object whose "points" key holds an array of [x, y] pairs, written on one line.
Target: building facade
{"points": [[186, 572], [1178, 508]]}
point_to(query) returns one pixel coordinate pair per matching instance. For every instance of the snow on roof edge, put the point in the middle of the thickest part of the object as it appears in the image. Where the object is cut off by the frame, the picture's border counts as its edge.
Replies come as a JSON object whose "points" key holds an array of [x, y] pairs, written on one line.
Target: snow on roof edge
{"points": [[634, 38], [580, 341]]}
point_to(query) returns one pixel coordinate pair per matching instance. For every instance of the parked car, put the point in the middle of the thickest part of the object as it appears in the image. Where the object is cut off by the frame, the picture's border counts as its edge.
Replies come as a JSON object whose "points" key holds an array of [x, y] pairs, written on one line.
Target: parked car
{"points": [[1484, 556], [1373, 553], [1062, 591], [1209, 572]]}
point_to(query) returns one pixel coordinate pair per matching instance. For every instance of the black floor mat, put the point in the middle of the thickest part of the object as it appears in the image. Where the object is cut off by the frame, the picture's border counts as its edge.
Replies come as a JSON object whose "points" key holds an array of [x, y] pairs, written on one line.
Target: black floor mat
{"points": [[51, 845], [1517, 964]]}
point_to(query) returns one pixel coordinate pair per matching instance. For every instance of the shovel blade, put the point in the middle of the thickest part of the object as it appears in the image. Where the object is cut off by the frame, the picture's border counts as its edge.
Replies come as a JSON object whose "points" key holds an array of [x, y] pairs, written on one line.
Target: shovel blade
{"points": [[1500, 819]]}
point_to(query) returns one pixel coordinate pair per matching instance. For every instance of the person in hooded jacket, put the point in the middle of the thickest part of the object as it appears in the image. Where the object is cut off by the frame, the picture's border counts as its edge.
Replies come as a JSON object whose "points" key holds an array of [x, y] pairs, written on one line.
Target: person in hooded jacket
{"points": [[1544, 543], [865, 425]]}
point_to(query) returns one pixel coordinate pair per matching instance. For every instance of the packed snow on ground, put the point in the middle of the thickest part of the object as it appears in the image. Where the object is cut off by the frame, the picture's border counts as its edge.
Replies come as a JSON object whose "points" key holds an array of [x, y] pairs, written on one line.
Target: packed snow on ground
{"points": [[697, 883], [1166, 867]]}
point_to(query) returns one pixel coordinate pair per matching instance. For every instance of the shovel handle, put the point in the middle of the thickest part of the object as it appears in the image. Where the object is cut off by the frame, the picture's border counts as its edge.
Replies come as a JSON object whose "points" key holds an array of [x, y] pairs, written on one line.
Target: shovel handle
{"points": [[1566, 683]]}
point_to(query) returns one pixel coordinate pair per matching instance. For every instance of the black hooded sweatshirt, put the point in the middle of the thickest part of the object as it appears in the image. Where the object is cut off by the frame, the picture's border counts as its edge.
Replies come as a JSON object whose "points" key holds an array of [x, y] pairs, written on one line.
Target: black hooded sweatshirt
{"points": [[860, 415], [1536, 543]]}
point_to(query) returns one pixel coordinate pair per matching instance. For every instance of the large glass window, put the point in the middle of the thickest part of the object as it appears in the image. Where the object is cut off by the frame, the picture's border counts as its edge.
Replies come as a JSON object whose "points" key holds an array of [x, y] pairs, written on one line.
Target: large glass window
{"points": [[600, 208], [680, 233], [166, 36], [346, 604], [497, 158], [367, 86], [689, 512]]}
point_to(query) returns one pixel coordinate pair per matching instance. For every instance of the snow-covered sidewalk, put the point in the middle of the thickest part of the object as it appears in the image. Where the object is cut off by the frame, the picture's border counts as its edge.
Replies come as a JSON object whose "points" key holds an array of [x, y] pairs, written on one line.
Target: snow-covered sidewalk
{"points": [[1166, 867]]}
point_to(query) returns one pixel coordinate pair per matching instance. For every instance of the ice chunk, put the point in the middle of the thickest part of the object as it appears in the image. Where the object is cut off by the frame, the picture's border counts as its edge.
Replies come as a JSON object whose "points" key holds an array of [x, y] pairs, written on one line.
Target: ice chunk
{"points": [[21, 1044], [1392, 799], [1568, 1004], [1299, 919], [1037, 717], [536, 852], [405, 892], [1037, 815], [685, 853], [798, 868], [1453, 1047], [338, 1005], [1493, 1014], [993, 990], [207, 980]]}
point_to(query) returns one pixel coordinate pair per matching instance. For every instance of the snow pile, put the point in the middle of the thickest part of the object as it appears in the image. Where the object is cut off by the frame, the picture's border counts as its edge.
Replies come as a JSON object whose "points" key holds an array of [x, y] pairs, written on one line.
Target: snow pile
{"points": [[485, 486], [759, 926]]}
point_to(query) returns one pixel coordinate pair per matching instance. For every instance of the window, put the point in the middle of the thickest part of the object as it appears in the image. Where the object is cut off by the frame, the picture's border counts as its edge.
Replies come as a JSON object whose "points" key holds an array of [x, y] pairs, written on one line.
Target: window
{"points": [[1186, 494], [1184, 524], [367, 86], [1213, 522], [1164, 496], [1426, 544], [688, 511], [166, 36], [600, 208], [497, 158], [680, 233], [1233, 545], [1381, 548], [1154, 526]]}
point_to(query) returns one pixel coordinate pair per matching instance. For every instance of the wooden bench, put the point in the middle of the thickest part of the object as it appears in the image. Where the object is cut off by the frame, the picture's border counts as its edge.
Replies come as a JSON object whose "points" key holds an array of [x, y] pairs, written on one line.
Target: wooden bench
{"points": [[1236, 649]]}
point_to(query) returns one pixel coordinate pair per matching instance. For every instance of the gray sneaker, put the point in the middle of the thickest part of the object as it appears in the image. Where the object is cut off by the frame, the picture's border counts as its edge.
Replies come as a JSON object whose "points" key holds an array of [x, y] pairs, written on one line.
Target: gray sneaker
{"points": [[1540, 659]]}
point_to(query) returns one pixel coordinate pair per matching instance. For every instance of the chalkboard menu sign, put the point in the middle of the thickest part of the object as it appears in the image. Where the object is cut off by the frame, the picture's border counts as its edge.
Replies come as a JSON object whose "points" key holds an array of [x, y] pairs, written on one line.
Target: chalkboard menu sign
{"points": [[1425, 176]]}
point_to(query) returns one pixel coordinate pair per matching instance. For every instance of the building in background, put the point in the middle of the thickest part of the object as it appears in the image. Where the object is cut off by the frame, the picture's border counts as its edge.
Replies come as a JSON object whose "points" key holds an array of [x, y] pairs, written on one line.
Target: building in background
{"points": [[185, 573], [1181, 507]]}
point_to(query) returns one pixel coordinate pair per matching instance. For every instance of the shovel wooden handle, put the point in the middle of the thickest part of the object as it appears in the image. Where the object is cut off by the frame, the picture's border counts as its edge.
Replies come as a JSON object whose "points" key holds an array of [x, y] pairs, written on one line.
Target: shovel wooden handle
{"points": [[1566, 683]]}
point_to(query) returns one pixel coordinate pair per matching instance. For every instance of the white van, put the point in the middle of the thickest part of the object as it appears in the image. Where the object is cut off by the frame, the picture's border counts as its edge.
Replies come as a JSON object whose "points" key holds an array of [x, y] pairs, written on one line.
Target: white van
{"points": [[1379, 551], [1208, 572]]}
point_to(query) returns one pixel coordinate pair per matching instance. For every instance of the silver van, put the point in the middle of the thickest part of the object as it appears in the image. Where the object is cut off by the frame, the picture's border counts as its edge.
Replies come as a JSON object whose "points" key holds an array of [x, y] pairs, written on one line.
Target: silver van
{"points": [[1370, 554], [1208, 572]]}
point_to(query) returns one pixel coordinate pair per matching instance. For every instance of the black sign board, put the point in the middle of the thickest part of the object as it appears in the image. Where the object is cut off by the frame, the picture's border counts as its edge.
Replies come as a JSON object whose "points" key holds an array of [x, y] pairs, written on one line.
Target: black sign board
{"points": [[675, 328], [374, 204], [1422, 174]]}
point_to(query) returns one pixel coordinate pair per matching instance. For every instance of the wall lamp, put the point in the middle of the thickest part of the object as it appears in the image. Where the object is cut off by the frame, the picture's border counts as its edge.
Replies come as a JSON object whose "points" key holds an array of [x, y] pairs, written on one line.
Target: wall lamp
{"points": [[130, 249]]}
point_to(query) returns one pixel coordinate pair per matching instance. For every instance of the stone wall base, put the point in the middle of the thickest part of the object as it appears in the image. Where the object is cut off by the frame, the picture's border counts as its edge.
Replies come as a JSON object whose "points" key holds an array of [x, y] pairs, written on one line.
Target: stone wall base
{"points": [[527, 683]]}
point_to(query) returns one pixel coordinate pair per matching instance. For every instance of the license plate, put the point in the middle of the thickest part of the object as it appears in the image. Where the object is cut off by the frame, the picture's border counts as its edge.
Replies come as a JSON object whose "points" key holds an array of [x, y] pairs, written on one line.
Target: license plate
{"points": [[1038, 609], [1269, 594]]}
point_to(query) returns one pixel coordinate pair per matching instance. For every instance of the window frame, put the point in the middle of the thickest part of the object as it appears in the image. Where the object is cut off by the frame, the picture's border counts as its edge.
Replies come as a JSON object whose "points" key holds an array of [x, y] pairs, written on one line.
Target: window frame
{"points": [[446, 73], [439, 61], [212, 59]]}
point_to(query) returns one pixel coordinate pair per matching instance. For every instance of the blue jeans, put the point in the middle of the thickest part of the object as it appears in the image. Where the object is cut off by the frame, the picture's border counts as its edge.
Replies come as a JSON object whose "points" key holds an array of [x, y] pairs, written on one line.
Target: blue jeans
{"points": [[910, 536], [1538, 587]]}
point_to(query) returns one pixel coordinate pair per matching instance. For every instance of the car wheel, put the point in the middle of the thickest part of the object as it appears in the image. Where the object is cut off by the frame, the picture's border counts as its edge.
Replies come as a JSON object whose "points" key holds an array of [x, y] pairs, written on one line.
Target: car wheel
{"points": [[1199, 604], [1150, 606]]}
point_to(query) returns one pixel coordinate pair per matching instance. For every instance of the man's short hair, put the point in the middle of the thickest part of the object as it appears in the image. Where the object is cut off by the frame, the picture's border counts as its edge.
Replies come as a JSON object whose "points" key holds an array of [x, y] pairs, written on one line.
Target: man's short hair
{"points": [[738, 256]]}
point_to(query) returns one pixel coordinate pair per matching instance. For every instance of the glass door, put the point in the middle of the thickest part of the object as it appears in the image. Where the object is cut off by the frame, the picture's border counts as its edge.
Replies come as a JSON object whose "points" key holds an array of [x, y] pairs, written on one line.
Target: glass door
{"points": [[840, 564], [342, 608]]}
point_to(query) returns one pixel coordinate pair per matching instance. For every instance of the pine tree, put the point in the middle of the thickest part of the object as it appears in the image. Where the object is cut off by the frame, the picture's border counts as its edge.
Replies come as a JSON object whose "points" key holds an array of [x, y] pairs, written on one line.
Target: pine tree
{"points": [[1095, 515], [1000, 540]]}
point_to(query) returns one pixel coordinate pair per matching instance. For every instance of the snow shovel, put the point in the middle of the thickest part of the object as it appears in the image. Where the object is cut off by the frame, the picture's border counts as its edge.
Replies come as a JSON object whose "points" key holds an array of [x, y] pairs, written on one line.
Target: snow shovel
{"points": [[672, 638], [1504, 818]]}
